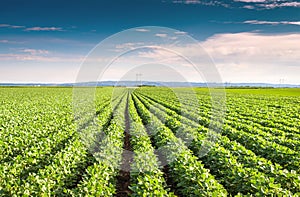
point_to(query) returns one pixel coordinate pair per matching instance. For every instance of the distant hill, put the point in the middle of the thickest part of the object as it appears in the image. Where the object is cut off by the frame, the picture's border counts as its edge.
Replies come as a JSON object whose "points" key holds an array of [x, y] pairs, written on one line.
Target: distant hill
{"points": [[150, 83]]}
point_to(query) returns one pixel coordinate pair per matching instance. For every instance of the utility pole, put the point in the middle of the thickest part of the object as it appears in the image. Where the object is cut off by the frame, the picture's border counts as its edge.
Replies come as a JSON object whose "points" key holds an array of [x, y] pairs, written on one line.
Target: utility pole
{"points": [[139, 79], [281, 82]]}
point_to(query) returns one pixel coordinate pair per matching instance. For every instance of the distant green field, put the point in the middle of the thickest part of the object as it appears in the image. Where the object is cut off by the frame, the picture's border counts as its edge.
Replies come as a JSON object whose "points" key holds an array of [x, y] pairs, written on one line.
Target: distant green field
{"points": [[262, 91], [268, 91], [47, 150]]}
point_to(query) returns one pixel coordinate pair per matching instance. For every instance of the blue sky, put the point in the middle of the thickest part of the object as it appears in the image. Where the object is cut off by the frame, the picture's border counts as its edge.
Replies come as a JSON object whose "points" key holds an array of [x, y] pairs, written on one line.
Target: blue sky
{"points": [[249, 40]]}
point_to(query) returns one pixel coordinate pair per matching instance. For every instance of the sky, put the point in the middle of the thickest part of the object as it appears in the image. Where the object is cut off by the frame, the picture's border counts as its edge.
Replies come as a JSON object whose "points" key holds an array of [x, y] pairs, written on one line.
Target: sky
{"points": [[252, 41]]}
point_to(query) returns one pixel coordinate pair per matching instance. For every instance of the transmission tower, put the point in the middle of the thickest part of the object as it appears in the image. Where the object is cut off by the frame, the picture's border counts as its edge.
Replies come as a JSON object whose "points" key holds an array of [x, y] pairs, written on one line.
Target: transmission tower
{"points": [[139, 79]]}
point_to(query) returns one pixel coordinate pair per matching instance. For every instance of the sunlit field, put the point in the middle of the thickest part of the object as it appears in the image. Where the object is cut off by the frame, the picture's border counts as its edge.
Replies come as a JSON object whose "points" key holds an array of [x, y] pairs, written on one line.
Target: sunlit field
{"points": [[44, 151]]}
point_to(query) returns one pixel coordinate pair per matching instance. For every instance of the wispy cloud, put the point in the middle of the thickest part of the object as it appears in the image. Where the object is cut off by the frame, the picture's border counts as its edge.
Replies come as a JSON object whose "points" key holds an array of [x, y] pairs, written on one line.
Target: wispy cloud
{"points": [[157, 54], [180, 32], [35, 51], [278, 5], [161, 35], [38, 55], [187, 1], [239, 57], [142, 30], [290, 4], [37, 28], [4, 25], [10, 42], [246, 4], [15, 57], [12, 26], [17, 26], [261, 46], [127, 46], [250, 7], [268, 4], [251, 1], [256, 57], [256, 22], [44, 29], [202, 2], [4, 41], [28, 54]]}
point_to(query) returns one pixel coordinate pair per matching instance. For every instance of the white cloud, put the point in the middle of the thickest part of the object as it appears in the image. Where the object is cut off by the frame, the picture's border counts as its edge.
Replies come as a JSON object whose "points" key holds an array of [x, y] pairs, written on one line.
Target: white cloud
{"points": [[250, 7], [142, 30], [151, 59], [165, 57], [127, 46], [180, 32], [279, 4], [256, 57], [12, 26], [17, 26], [201, 2], [248, 4], [251, 1], [35, 51], [188, 1], [161, 35], [290, 4], [31, 28], [256, 22], [20, 57], [249, 45], [267, 4], [241, 57], [4, 41], [44, 29], [11, 42], [157, 54]]}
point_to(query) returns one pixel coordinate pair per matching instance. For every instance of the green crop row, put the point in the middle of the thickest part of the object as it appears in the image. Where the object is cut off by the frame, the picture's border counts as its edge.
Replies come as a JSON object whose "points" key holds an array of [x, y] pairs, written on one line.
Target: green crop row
{"points": [[197, 181], [262, 146], [233, 175], [100, 179], [70, 142], [288, 179], [146, 177]]}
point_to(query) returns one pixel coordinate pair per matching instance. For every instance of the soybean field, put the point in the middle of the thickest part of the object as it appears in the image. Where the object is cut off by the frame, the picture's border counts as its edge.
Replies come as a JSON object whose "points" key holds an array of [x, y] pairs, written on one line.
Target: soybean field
{"points": [[143, 142]]}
